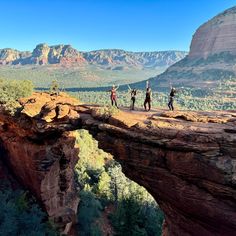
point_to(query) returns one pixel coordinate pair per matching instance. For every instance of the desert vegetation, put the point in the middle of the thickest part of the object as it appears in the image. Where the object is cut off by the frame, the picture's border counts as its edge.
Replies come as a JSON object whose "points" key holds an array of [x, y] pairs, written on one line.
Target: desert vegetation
{"points": [[74, 77], [11, 91], [221, 98]]}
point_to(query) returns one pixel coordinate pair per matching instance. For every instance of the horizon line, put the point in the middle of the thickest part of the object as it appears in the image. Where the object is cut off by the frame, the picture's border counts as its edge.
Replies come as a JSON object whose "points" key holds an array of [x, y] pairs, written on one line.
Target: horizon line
{"points": [[94, 50]]}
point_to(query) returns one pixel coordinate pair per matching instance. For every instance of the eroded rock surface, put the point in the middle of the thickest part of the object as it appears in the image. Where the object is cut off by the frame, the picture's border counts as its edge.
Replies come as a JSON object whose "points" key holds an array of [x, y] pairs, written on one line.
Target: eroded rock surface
{"points": [[186, 160], [215, 36], [43, 160]]}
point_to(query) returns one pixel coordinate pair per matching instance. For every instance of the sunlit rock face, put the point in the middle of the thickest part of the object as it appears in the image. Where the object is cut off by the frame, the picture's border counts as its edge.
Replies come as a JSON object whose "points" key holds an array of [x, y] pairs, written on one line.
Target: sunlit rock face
{"points": [[186, 160], [215, 36], [66, 55], [211, 59]]}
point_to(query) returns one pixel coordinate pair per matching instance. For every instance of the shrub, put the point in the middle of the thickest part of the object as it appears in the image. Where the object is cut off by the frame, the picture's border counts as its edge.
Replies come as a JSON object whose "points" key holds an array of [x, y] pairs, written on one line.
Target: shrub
{"points": [[105, 112], [54, 87], [11, 91], [89, 210]]}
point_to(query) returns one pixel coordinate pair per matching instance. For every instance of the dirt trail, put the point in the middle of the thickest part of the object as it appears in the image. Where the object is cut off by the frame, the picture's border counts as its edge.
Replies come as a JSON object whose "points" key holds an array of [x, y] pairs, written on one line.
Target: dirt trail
{"points": [[130, 118]]}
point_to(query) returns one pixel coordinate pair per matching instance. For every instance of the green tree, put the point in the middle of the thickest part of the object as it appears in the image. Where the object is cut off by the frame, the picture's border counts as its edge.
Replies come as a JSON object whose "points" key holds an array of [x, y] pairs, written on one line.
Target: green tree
{"points": [[20, 215], [89, 209], [104, 189], [54, 87], [11, 91]]}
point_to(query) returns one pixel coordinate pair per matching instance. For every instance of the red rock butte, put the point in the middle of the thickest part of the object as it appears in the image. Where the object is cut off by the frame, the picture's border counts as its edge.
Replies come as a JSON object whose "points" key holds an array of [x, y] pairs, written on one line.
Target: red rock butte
{"points": [[215, 36], [186, 160]]}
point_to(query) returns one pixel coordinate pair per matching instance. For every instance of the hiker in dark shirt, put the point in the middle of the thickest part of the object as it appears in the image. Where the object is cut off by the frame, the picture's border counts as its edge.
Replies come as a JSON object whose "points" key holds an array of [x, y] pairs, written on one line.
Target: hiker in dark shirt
{"points": [[171, 99], [148, 97], [133, 98], [133, 93]]}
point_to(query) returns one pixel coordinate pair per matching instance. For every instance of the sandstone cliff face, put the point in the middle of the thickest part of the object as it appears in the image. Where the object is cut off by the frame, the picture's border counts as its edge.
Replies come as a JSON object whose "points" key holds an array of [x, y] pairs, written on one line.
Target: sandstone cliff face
{"points": [[9, 56], [41, 159], [212, 56], [215, 36], [186, 160], [43, 54]]}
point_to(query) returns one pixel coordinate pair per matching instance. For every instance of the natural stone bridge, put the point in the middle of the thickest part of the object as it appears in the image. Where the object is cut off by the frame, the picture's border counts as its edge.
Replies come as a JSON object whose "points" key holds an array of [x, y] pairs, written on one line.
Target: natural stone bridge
{"points": [[186, 160]]}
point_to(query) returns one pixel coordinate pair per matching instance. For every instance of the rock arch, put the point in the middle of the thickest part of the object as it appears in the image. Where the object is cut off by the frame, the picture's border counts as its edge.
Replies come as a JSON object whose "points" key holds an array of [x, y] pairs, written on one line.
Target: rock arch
{"points": [[186, 160]]}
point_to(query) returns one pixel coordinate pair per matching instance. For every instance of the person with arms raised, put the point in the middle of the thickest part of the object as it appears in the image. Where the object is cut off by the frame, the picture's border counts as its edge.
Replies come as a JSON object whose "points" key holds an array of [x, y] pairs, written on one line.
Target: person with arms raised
{"points": [[171, 98], [113, 95], [148, 97], [133, 93]]}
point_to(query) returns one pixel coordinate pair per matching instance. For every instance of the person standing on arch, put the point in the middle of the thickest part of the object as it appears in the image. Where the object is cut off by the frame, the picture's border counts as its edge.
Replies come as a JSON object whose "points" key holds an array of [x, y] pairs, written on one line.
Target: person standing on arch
{"points": [[171, 98], [113, 95], [133, 93], [148, 97]]}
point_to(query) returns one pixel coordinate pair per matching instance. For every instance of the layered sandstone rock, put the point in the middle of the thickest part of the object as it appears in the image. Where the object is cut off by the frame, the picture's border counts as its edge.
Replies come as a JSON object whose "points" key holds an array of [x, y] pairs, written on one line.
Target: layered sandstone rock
{"points": [[43, 160], [63, 54], [186, 160], [215, 36], [9, 56]]}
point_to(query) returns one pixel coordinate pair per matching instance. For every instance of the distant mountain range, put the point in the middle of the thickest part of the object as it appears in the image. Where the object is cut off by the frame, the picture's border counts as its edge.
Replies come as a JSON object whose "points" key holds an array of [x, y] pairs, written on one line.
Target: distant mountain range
{"points": [[117, 57], [67, 55]]}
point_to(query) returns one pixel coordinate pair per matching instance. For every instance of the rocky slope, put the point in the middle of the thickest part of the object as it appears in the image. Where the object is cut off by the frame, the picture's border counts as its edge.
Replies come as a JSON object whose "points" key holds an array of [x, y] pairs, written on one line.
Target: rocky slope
{"points": [[212, 55], [9, 56], [186, 160], [65, 54]]}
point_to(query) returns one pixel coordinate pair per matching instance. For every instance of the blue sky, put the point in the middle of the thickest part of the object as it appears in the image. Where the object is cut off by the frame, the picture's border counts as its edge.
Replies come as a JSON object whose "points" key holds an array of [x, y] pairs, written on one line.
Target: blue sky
{"points": [[136, 25]]}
